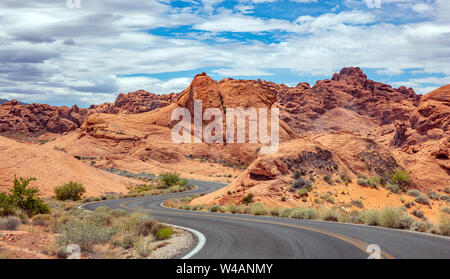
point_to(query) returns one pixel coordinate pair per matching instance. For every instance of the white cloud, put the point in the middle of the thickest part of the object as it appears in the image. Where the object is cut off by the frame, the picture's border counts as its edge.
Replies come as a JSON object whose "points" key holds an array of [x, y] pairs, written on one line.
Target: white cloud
{"points": [[233, 72]]}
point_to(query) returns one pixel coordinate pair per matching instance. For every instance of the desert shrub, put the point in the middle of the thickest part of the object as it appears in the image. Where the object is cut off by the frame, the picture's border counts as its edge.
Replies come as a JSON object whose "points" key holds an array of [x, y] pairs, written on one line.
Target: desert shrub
{"points": [[330, 215], [118, 213], [232, 208], [444, 224], [27, 198], [328, 179], [296, 174], [395, 218], [85, 234], [164, 233], [434, 196], [301, 183], [286, 212], [369, 217], [7, 205], [283, 198], [419, 226], [248, 199], [126, 241], [362, 176], [418, 213], [362, 181], [394, 188], [345, 178], [215, 208], [258, 209], [70, 191], [374, 181], [447, 190], [275, 211], [9, 223], [414, 193], [357, 203], [169, 179], [446, 210], [400, 177], [197, 207], [445, 198], [422, 200], [304, 213], [147, 227], [143, 247], [302, 192], [43, 220]]}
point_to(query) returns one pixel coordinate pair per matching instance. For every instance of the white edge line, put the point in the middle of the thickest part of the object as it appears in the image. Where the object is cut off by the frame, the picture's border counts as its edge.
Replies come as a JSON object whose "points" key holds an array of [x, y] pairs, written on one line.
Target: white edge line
{"points": [[200, 237]]}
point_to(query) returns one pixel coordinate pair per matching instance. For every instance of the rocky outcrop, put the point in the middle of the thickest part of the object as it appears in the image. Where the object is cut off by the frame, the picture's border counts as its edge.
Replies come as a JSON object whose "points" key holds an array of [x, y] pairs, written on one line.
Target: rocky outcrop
{"points": [[38, 119], [136, 102], [349, 90]]}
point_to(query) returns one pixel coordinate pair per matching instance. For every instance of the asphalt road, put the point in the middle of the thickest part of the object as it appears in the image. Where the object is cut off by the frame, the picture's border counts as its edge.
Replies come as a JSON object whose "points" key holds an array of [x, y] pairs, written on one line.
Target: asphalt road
{"points": [[232, 236]]}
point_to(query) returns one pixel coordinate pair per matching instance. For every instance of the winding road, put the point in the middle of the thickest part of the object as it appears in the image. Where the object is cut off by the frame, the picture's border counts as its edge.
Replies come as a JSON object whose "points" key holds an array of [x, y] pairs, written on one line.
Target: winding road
{"points": [[232, 236]]}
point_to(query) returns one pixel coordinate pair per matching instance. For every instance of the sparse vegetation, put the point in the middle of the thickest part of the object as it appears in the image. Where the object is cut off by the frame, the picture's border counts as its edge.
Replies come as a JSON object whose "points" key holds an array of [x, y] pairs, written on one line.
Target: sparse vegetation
{"points": [[434, 196], [328, 179], [400, 177], [422, 199], [70, 191], [10, 223], [362, 182], [248, 199], [394, 188], [414, 193], [169, 179], [301, 183]]}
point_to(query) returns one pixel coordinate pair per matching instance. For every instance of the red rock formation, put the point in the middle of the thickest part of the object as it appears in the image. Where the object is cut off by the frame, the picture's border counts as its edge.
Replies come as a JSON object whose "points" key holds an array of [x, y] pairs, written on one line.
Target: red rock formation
{"points": [[37, 119], [136, 102], [349, 90]]}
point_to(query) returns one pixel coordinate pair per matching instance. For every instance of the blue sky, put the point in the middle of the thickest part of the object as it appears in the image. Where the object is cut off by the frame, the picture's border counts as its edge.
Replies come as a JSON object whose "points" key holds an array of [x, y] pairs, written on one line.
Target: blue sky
{"points": [[54, 54]]}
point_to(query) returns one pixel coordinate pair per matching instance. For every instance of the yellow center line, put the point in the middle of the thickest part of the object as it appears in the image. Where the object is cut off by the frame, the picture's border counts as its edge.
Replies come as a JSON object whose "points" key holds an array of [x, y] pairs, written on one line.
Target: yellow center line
{"points": [[355, 242]]}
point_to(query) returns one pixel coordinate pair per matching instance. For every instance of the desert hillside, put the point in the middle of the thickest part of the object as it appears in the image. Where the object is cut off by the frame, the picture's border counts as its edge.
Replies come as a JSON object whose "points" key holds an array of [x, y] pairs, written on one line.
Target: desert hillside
{"points": [[344, 125]]}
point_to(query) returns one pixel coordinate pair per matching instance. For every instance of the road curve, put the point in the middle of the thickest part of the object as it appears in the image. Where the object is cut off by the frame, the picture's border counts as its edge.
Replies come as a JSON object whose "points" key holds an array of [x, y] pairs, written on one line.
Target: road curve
{"points": [[232, 236]]}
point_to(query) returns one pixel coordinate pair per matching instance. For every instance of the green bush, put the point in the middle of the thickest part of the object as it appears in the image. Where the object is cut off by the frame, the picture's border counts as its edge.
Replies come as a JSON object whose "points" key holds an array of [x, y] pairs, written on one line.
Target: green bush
{"points": [[414, 193], [70, 191], [447, 190], [169, 179], [7, 205], [400, 177], [27, 198], [164, 233], [248, 199], [9, 223]]}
